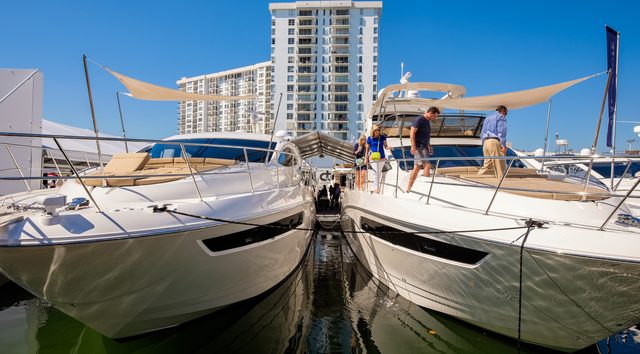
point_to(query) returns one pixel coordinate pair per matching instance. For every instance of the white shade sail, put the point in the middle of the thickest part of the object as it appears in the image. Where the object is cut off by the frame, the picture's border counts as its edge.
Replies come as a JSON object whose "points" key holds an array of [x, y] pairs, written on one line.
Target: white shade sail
{"points": [[512, 100], [146, 91]]}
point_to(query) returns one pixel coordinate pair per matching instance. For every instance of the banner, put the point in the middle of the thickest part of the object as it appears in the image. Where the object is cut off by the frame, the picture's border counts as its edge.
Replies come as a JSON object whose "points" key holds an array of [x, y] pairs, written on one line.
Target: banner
{"points": [[612, 65]]}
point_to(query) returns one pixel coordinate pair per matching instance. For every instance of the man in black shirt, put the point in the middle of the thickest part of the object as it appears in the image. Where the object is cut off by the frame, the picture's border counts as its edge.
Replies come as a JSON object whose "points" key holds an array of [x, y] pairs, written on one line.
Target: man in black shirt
{"points": [[421, 143]]}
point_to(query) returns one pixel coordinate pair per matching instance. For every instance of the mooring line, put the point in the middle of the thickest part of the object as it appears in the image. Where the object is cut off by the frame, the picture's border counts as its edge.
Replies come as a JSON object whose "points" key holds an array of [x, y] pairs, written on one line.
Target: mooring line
{"points": [[165, 209]]}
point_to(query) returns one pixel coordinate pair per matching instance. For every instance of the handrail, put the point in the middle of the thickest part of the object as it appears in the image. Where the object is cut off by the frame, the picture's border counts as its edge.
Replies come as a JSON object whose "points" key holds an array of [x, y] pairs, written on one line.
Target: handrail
{"points": [[186, 158], [246, 159], [498, 186], [435, 172], [77, 175], [17, 166], [620, 204], [622, 176]]}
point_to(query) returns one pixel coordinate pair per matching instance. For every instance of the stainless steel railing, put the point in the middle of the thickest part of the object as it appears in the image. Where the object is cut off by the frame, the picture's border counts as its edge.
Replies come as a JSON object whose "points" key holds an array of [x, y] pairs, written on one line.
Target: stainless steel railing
{"points": [[499, 187], [78, 175]]}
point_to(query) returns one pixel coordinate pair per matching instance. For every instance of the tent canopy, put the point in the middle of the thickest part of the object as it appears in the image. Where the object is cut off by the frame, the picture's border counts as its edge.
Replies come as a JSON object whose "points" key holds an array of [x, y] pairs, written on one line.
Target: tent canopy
{"points": [[146, 91], [317, 143]]}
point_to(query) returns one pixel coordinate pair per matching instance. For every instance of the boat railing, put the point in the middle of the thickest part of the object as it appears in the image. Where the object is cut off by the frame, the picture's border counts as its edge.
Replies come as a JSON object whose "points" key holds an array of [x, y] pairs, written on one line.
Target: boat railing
{"points": [[583, 195], [83, 175]]}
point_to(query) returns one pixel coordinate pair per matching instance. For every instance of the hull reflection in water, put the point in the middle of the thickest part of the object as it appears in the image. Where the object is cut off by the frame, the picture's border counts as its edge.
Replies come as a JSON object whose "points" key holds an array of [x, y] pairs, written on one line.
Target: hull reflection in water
{"points": [[329, 304]]}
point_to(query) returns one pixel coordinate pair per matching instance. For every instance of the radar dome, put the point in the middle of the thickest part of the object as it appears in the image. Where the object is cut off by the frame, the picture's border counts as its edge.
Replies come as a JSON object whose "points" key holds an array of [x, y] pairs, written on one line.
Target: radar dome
{"points": [[538, 152], [585, 152]]}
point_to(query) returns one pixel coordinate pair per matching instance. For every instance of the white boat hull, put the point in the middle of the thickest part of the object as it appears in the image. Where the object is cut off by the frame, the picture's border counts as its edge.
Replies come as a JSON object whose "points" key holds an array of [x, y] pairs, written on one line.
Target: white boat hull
{"points": [[568, 301], [131, 286]]}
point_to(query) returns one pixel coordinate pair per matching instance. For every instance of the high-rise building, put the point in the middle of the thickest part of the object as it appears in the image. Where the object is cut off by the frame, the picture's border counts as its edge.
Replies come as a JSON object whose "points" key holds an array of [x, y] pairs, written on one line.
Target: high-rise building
{"points": [[250, 115], [324, 58]]}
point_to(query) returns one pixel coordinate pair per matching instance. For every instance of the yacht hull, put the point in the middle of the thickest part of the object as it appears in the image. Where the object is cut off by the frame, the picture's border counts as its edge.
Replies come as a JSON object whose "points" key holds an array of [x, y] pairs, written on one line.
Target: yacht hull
{"points": [[130, 286], [568, 301]]}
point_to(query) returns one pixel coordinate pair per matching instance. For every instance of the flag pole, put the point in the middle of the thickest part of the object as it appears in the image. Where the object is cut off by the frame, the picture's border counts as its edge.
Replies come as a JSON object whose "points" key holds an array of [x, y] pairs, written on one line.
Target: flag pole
{"points": [[615, 110]]}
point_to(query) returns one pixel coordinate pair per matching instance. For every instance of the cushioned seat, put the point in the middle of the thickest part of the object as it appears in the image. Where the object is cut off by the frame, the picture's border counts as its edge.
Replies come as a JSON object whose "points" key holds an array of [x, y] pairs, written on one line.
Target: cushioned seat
{"points": [[542, 188]]}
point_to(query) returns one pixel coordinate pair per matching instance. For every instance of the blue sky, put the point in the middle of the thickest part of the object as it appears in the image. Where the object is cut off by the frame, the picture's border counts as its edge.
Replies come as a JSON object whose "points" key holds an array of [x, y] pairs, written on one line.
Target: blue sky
{"points": [[488, 46]]}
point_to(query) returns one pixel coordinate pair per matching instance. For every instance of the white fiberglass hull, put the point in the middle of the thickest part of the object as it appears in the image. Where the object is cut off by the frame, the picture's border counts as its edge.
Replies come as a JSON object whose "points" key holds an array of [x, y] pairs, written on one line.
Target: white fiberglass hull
{"points": [[569, 301], [148, 280]]}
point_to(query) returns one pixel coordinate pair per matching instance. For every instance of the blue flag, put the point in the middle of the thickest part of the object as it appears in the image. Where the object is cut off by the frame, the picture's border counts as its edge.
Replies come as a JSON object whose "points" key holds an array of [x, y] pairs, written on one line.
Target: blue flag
{"points": [[612, 65]]}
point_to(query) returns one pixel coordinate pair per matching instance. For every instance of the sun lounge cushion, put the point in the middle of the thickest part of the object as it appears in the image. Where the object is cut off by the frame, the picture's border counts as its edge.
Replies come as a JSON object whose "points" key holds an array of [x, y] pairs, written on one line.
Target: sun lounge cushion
{"points": [[125, 163]]}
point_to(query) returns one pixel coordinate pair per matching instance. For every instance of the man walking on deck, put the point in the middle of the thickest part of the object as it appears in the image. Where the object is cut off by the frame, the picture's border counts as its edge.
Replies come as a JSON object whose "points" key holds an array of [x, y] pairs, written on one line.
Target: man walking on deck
{"points": [[494, 142], [420, 135]]}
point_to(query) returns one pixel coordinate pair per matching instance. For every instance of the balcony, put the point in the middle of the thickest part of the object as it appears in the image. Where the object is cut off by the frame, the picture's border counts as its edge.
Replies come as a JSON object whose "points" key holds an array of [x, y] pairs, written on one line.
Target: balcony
{"points": [[307, 23], [305, 14], [306, 42], [305, 107], [340, 22], [339, 78], [304, 126], [338, 107], [338, 117], [305, 117], [306, 32], [307, 70]]}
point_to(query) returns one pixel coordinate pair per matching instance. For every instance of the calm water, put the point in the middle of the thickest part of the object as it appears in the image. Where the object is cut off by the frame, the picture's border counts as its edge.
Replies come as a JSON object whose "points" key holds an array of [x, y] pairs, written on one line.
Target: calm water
{"points": [[329, 305]]}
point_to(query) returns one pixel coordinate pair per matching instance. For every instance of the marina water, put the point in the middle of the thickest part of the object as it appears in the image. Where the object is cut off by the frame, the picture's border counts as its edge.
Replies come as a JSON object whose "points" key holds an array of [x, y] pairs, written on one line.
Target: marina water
{"points": [[330, 304]]}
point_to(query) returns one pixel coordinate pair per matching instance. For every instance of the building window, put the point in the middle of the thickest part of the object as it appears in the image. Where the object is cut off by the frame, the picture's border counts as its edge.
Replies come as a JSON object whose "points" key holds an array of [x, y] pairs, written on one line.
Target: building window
{"points": [[289, 88], [375, 30], [289, 69], [289, 97], [289, 115], [291, 40], [290, 60], [375, 58], [273, 41], [289, 78], [290, 50], [289, 106], [292, 22], [291, 31]]}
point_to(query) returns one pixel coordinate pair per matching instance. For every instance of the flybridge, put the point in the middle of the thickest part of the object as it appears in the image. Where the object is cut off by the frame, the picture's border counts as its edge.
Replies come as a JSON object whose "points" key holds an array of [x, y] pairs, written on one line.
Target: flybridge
{"points": [[450, 125]]}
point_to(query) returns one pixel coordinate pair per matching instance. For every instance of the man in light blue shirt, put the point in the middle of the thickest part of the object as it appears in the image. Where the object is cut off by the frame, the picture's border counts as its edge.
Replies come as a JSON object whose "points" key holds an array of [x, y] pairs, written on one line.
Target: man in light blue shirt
{"points": [[494, 142]]}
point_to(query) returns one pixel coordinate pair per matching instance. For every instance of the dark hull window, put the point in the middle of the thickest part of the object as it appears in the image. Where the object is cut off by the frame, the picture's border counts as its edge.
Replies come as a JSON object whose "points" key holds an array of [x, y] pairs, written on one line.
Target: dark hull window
{"points": [[422, 244], [257, 234]]}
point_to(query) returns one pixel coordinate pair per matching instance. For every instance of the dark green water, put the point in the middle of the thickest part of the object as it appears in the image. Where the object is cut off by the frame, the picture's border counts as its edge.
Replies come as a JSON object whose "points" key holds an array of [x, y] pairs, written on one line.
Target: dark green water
{"points": [[329, 305]]}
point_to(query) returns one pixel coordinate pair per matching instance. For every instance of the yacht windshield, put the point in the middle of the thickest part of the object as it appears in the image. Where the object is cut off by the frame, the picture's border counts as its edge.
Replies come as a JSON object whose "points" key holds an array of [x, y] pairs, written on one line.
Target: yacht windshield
{"points": [[604, 169], [234, 152], [446, 125], [444, 151]]}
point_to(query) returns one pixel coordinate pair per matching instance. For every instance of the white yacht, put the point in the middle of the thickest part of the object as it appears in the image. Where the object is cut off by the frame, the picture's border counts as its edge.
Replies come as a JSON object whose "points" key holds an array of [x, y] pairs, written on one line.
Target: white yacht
{"points": [[534, 256], [163, 236]]}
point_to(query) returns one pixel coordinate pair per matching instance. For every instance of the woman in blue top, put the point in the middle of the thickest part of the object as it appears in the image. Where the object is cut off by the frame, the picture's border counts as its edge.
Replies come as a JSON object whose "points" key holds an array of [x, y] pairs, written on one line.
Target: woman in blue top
{"points": [[360, 150], [376, 144]]}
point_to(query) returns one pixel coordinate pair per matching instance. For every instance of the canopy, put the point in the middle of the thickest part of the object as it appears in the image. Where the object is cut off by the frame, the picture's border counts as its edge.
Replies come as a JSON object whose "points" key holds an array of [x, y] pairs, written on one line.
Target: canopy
{"points": [[146, 91], [513, 100], [386, 94], [317, 143]]}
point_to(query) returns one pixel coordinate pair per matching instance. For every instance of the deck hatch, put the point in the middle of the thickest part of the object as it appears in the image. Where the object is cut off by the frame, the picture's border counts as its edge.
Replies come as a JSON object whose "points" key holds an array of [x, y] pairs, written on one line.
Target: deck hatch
{"points": [[421, 244], [254, 235]]}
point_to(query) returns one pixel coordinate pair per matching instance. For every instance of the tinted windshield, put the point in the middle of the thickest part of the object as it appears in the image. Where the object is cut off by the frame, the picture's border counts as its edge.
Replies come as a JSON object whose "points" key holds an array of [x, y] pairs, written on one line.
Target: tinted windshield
{"points": [[446, 125], [444, 151], [604, 169], [232, 153]]}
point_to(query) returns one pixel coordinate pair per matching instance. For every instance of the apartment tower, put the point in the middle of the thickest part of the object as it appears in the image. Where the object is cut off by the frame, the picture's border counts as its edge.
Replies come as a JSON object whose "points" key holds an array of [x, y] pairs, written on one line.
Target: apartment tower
{"points": [[324, 57], [251, 115]]}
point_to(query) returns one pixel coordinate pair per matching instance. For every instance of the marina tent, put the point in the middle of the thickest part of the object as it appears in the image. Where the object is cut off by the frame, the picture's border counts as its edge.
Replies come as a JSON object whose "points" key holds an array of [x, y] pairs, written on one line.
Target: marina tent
{"points": [[83, 151]]}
